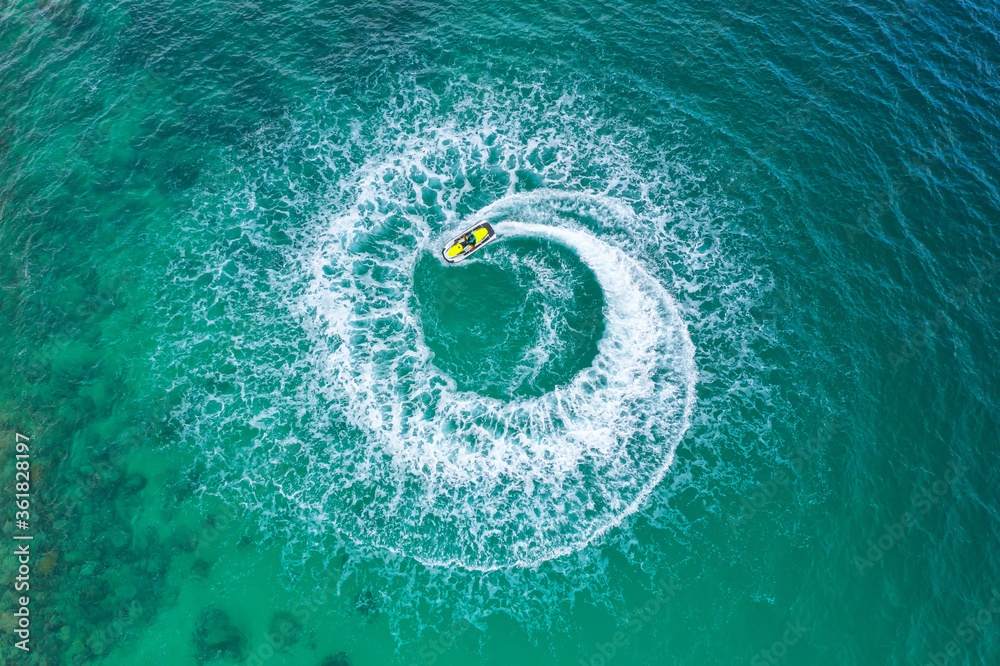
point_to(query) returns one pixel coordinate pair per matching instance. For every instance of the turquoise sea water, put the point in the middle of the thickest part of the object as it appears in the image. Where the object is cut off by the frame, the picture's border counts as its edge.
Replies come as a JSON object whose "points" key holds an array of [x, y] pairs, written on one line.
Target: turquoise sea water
{"points": [[724, 392]]}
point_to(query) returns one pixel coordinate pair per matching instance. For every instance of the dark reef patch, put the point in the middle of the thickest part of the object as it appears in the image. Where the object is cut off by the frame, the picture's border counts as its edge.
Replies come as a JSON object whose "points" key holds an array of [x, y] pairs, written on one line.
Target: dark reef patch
{"points": [[216, 637], [284, 630], [339, 659], [368, 604]]}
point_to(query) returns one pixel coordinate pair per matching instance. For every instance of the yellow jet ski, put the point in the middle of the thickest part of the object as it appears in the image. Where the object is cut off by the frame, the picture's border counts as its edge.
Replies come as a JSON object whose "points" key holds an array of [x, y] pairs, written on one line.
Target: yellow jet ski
{"points": [[470, 241]]}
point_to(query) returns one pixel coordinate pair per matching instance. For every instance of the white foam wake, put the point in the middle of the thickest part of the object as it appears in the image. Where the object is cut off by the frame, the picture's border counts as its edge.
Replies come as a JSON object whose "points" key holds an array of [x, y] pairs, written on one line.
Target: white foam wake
{"points": [[453, 477]]}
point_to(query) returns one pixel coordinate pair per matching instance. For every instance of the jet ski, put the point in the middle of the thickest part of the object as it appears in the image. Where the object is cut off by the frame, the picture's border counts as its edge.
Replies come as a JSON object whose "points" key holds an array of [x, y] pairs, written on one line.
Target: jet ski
{"points": [[473, 240]]}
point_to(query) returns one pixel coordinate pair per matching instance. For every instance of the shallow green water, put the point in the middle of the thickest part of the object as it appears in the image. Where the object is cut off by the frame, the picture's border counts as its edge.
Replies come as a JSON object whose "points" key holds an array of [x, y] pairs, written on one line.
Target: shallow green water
{"points": [[723, 392]]}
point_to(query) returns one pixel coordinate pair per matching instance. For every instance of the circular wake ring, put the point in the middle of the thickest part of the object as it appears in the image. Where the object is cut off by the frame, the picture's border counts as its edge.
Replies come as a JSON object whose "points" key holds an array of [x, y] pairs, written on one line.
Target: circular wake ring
{"points": [[454, 477]]}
